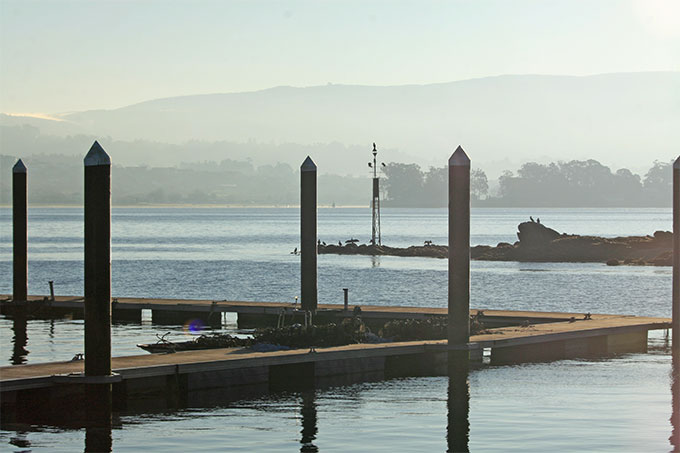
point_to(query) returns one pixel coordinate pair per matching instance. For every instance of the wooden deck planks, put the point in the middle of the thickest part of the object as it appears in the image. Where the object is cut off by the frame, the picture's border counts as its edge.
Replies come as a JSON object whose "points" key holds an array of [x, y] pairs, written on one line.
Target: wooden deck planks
{"points": [[38, 375], [274, 308]]}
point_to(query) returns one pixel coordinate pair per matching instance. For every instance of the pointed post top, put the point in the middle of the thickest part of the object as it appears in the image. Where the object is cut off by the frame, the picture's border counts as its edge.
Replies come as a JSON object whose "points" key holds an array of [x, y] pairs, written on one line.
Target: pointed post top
{"points": [[459, 158], [96, 156], [308, 165], [19, 167], [676, 165]]}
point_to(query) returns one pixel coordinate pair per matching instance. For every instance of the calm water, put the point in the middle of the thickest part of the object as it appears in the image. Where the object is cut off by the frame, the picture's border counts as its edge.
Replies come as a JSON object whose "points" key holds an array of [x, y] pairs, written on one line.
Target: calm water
{"points": [[619, 404]]}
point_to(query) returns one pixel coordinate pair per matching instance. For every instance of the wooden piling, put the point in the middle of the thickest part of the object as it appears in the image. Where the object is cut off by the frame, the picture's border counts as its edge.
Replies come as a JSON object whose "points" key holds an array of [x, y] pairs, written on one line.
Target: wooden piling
{"points": [[19, 259], [97, 262], [459, 248], [98, 439], [20, 232], [20, 337], [308, 242], [676, 254], [458, 405], [308, 415], [675, 399]]}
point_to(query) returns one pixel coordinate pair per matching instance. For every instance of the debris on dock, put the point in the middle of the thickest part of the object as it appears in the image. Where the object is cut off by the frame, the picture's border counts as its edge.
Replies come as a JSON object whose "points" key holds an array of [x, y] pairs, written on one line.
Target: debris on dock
{"points": [[212, 341]]}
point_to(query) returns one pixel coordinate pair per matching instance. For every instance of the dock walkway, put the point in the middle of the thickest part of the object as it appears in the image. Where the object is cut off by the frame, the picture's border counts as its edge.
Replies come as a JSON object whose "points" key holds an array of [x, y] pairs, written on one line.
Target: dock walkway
{"points": [[253, 314], [569, 337]]}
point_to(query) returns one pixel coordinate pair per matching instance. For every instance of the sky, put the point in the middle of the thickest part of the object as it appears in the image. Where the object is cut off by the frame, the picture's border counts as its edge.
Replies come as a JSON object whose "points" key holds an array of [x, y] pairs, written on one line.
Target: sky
{"points": [[60, 56]]}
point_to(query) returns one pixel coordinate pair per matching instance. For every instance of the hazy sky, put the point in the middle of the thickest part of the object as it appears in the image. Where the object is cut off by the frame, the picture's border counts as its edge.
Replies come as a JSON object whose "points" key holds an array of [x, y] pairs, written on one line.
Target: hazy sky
{"points": [[59, 56]]}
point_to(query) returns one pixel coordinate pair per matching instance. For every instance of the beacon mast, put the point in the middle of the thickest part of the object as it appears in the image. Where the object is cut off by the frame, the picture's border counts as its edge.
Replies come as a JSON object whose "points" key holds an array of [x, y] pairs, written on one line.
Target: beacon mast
{"points": [[376, 238]]}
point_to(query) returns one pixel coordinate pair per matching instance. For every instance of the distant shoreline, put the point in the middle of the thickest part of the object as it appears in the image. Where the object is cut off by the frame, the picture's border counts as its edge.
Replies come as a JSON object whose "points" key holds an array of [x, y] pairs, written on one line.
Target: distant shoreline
{"points": [[537, 243], [184, 206], [324, 206]]}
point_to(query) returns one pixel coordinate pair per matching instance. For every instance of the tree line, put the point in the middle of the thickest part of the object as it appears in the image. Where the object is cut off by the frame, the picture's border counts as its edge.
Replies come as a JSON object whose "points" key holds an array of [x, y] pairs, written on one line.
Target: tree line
{"points": [[58, 179], [569, 184], [407, 185]]}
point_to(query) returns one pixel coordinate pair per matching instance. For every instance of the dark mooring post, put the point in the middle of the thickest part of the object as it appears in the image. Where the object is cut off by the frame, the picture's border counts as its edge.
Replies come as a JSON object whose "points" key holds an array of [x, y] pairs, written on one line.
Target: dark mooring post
{"points": [[20, 338], [97, 292], [459, 301], [97, 262], [676, 255], [98, 439], [458, 405], [675, 399], [308, 234], [20, 232], [309, 422], [459, 248]]}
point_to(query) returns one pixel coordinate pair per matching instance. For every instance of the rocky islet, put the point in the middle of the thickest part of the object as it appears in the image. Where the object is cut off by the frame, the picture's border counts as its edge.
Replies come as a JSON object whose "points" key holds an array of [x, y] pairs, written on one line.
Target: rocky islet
{"points": [[539, 243]]}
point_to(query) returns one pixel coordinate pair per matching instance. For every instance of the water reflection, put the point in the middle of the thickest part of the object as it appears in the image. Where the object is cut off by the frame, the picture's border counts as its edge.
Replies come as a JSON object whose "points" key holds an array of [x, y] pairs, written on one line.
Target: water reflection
{"points": [[20, 440], [20, 338], [98, 439], [675, 391], [375, 261], [458, 428], [98, 409], [309, 428]]}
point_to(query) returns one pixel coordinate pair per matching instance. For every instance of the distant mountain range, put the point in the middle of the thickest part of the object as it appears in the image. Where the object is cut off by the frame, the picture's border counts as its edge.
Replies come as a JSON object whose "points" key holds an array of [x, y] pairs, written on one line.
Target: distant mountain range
{"points": [[626, 119]]}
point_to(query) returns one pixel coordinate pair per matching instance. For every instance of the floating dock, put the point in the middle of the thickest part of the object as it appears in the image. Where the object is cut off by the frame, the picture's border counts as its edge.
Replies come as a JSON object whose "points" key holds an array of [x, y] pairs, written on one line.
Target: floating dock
{"points": [[181, 378], [259, 314]]}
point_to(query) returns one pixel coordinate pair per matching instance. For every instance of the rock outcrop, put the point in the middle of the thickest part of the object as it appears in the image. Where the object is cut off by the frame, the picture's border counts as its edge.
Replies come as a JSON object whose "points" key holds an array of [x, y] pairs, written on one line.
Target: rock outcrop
{"points": [[432, 251], [538, 243], [533, 234]]}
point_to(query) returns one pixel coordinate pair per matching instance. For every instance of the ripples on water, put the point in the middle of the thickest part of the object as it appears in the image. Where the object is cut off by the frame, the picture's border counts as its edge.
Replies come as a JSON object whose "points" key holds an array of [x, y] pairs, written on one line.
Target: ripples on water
{"points": [[244, 254], [620, 404]]}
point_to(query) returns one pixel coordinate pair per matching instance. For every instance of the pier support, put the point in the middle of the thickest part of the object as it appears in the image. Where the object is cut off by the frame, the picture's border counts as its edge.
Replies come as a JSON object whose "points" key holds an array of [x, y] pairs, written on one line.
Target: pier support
{"points": [[308, 242], [459, 248], [20, 338], [675, 400], [98, 297], [98, 439], [20, 260], [308, 416], [458, 426], [676, 255], [97, 262], [20, 232], [458, 405]]}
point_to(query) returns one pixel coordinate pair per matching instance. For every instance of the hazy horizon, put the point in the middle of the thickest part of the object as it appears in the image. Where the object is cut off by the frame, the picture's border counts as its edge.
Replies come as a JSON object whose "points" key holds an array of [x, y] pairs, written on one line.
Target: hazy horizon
{"points": [[66, 55], [510, 81], [57, 114]]}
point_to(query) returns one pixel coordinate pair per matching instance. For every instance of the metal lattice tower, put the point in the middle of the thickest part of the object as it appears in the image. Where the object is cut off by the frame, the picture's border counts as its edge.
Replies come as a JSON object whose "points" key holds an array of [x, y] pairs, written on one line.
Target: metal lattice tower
{"points": [[375, 202]]}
